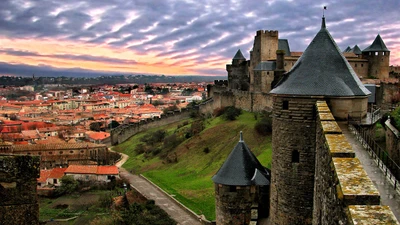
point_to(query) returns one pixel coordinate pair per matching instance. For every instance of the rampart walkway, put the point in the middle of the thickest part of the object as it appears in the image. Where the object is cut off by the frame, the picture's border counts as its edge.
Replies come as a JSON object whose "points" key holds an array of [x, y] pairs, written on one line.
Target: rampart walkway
{"points": [[389, 196], [161, 199]]}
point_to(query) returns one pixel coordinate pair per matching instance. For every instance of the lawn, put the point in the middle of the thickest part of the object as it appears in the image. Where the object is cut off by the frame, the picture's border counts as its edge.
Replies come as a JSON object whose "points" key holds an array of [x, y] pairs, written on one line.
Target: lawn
{"points": [[84, 205], [189, 179]]}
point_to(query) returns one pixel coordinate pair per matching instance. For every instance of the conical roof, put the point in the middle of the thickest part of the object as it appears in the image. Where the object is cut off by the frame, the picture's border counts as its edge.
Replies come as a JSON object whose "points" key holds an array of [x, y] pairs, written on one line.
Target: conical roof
{"points": [[242, 168], [239, 55], [356, 50], [377, 46], [322, 70], [348, 49]]}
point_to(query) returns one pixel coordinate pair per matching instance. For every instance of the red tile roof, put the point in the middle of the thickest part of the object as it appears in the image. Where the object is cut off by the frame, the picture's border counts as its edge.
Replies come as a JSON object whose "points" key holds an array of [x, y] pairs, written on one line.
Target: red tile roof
{"points": [[57, 173], [107, 170], [44, 174], [89, 169], [81, 169]]}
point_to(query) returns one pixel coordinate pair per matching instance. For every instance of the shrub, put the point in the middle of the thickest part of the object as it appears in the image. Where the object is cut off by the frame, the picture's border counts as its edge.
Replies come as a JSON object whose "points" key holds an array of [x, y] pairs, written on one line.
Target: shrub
{"points": [[231, 113], [206, 150], [264, 126], [68, 185]]}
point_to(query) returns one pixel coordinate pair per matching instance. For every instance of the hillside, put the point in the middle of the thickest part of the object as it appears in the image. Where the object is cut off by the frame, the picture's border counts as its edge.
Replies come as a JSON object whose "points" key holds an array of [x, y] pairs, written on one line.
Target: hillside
{"points": [[198, 158]]}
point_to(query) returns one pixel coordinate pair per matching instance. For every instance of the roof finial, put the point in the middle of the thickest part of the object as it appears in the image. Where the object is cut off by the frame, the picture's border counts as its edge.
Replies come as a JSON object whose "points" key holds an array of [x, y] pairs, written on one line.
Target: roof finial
{"points": [[241, 137], [323, 18]]}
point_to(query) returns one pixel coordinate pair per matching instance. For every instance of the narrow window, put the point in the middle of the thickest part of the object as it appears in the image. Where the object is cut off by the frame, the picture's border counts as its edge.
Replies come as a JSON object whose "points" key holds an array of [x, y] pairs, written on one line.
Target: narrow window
{"points": [[356, 65], [362, 65], [295, 156], [285, 105]]}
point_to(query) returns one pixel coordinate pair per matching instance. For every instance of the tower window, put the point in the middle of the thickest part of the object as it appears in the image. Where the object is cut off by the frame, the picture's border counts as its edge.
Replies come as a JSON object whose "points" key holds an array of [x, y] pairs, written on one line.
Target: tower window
{"points": [[356, 65], [362, 65], [232, 188], [285, 105], [295, 156], [376, 53]]}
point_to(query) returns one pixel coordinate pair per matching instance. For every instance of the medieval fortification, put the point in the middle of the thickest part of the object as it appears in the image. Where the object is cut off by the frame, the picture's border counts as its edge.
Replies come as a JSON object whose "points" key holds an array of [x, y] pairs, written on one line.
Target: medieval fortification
{"points": [[315, 177]]}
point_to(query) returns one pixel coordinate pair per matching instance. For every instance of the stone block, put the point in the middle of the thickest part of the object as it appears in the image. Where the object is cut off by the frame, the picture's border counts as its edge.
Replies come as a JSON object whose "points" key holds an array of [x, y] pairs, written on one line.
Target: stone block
{"points": [[338, 146], [371, 214], [354, 187]]}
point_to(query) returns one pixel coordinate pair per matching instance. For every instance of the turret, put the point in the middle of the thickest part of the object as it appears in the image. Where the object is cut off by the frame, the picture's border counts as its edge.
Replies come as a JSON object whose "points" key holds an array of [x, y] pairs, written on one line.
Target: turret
{"points": [[240, 183], [321, 72], [378, 56]]}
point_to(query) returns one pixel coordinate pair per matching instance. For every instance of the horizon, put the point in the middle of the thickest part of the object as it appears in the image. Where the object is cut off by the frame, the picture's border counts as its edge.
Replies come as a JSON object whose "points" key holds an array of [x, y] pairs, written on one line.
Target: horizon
{"points": [[173, 38]]}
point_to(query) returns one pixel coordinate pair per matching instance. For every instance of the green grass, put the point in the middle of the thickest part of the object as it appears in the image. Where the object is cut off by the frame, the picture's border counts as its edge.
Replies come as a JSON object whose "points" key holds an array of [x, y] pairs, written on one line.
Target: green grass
{"points": [[189, 180], [83, 205]]}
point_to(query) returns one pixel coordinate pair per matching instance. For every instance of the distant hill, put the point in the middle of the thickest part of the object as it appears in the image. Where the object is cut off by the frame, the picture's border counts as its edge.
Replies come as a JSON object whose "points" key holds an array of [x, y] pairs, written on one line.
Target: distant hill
{"points": [[198, 159], [102, 79]]}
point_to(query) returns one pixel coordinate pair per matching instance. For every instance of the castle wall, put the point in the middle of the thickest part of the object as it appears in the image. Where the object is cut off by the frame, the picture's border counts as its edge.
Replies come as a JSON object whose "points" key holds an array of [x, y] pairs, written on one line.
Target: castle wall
{"points": [[18, 199], [252, 102], [393, 143], [360, 67], [124, 132], [343, 194]]}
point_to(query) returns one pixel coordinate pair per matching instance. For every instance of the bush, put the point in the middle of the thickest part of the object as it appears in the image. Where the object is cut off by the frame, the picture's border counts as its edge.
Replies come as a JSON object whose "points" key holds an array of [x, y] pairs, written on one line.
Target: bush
{"points": [[68, 185], [264, 126], [206, 150], [231, 113]]}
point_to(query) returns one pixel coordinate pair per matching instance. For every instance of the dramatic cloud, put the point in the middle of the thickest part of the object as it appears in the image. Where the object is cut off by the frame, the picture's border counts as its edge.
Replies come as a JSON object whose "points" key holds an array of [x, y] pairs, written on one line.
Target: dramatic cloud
{"points": [[175, 36]]}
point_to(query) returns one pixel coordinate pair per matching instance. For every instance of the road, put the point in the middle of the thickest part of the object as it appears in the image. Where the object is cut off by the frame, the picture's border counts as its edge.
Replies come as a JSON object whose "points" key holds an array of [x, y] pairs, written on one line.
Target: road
{"points": [[182, 217]]}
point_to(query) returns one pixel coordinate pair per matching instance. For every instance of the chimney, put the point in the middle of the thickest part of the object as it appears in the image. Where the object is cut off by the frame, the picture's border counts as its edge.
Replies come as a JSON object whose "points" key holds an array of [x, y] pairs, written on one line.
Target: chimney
{"points": [[280, 67], [280, 60]]}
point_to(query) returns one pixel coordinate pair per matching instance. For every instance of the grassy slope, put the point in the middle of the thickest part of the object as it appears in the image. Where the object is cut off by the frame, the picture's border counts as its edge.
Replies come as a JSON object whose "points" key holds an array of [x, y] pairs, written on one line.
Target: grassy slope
{"points": [[189, 180]]}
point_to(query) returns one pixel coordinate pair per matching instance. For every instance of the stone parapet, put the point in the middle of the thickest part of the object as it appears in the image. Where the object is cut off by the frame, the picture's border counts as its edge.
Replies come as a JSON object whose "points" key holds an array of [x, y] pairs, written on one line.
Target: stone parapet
{"points": [[343, 192]]}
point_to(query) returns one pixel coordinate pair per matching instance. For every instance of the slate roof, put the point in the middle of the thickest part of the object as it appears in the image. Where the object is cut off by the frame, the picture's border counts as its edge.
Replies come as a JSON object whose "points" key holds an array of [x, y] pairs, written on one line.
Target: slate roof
{"points": [[377, 46], [356, 50], [283, 44], [265, 66], [242, 168], [322, 70], [239, 55]]}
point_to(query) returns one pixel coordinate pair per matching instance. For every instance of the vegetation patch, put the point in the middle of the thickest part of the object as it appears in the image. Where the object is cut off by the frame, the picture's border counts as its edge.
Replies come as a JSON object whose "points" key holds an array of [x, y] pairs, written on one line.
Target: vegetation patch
{"points": [[198, 157]]}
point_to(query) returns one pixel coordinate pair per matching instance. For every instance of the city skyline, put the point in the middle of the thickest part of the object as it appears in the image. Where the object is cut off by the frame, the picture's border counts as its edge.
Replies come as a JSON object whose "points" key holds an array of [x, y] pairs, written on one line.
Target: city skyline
{"points": [[174, 37]]}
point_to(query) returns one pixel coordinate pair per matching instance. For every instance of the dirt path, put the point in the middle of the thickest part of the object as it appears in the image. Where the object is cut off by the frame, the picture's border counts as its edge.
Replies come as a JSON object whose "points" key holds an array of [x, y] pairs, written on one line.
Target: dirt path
{"points": [[161, 199]]}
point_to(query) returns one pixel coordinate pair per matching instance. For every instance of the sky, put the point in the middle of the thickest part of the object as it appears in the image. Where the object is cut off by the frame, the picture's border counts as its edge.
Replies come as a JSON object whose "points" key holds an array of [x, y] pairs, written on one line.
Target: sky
{"points": [[174, 37]]}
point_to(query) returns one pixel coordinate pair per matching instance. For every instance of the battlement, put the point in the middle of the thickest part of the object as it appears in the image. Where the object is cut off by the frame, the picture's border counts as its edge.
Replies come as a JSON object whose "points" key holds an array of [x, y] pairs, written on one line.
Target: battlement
{"points": [[343, 191], [221, 82], [271, 33]]}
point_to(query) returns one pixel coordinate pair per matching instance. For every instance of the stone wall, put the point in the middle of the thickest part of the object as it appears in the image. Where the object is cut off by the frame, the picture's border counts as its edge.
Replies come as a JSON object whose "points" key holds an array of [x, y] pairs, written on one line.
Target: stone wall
{"points": [[124, 132], [293, 158], [393, 144], [233, 204], [343, 192], [18, 199], [249, 101]]}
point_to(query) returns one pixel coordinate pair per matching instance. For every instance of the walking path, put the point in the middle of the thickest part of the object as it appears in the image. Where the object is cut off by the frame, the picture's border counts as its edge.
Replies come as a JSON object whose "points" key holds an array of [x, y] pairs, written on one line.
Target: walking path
{"points": [[389, 196], [181, 216]]}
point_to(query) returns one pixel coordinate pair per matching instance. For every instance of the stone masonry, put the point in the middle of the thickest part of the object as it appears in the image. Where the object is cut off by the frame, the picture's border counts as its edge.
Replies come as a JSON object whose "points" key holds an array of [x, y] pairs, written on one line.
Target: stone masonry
{"points": [[18, 199]]}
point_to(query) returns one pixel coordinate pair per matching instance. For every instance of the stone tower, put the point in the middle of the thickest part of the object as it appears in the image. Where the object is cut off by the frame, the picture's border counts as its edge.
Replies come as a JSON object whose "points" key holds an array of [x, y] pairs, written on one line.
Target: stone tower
{"points": [[321, 73], [240, 184], [378, 56], [264, 49], [237, 73]]}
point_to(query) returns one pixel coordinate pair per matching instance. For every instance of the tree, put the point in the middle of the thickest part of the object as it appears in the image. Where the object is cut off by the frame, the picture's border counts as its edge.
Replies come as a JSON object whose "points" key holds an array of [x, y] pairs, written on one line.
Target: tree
{"points": [[113, 124], [95, 126], [68, 185]]}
